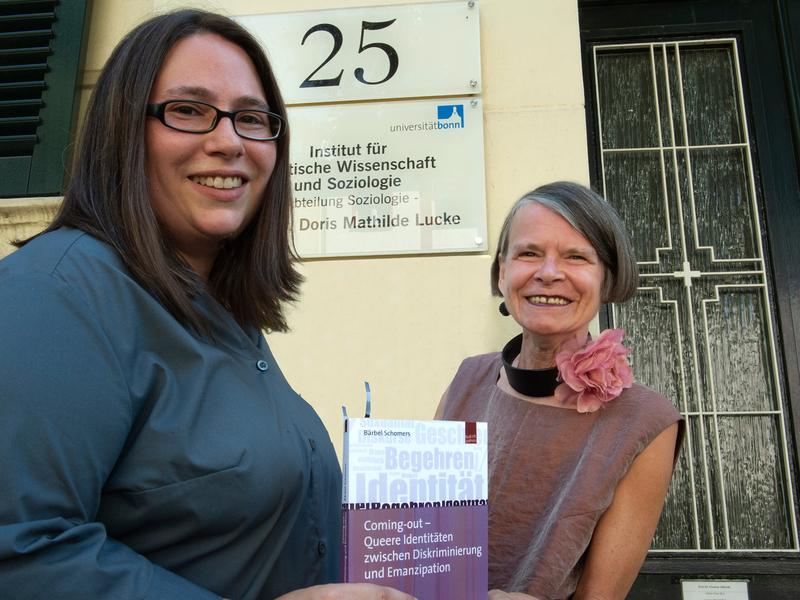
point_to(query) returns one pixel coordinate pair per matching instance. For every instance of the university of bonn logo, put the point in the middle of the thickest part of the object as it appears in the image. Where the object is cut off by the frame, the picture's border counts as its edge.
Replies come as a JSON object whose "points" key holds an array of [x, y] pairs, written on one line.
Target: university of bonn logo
{"points": [[450, 116]]}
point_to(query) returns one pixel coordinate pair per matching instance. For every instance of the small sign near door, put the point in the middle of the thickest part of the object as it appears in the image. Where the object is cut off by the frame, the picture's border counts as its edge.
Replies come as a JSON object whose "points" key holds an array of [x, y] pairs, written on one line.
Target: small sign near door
{"points": [[707, 589]]}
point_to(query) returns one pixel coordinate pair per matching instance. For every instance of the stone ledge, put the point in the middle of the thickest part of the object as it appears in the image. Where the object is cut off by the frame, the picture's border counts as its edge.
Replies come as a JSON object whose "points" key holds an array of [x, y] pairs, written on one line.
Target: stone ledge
{"points": [[23, 217], [22, 203]]}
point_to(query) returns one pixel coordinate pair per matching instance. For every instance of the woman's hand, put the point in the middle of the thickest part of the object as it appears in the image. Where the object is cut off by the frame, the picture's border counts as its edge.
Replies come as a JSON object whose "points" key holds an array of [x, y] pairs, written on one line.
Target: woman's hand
{"points": [[501, 595], [346, 591]]}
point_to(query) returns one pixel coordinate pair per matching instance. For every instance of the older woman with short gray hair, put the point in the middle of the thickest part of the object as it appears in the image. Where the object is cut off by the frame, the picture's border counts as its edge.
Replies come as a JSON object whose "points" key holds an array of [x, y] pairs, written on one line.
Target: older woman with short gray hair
{"points": [[581, 455]]}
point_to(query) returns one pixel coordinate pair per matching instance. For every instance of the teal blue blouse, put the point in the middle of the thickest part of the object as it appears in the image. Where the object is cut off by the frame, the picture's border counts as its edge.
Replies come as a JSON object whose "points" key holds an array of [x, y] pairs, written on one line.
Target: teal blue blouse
{"points": [[140, 461]]}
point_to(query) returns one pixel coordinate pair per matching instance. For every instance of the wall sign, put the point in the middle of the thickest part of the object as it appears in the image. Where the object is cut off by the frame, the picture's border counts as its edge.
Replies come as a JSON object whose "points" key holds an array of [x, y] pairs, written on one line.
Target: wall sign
{"points": [[389, 177], [368, 53], [707, 589], [401, 177]]}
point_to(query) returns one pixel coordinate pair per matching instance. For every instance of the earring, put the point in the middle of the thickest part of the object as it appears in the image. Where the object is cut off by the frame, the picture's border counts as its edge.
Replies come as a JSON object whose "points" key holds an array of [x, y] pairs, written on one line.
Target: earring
{"points": [[503, 309]]}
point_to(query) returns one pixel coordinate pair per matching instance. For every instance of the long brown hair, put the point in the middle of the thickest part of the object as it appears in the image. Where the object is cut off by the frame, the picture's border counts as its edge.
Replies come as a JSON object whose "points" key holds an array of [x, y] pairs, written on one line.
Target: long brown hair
{"points": [[107, 197]]}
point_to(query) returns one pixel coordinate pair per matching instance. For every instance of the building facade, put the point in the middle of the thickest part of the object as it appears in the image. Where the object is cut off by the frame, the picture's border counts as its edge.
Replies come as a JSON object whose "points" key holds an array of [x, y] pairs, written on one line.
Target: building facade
{"points": [[686, 114]]}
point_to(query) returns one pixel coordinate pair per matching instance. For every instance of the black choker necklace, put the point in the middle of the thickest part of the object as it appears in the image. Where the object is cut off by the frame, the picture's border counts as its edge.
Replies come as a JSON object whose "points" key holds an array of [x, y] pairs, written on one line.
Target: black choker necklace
{"points": [[537, 383]]}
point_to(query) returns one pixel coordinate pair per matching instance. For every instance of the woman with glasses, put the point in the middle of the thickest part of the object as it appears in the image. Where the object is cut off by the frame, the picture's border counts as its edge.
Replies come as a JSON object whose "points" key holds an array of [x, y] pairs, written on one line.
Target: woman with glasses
{"points": [[150, 447]]}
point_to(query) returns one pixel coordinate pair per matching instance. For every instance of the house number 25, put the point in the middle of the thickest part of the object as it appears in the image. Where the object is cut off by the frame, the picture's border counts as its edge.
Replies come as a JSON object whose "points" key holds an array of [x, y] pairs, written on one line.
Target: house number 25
{"points": [[359, 73]]}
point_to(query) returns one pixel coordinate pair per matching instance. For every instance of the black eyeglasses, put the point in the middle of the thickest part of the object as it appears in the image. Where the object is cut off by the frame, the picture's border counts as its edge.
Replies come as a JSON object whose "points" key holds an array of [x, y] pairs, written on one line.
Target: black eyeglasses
{"points": [[191, 116]]}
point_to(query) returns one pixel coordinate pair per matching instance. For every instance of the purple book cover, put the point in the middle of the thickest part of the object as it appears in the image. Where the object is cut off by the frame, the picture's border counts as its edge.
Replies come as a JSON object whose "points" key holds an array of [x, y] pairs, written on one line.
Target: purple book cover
{"points": [[414, 511]]}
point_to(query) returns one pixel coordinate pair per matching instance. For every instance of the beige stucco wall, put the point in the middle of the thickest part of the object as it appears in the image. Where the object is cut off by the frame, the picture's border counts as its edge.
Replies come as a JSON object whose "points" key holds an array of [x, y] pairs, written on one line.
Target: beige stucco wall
{"points": [[404, 323]]}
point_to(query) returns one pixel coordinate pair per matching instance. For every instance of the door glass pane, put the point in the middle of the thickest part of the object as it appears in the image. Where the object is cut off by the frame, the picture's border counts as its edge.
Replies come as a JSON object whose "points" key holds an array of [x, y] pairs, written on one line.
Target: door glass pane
{"points": [[625, 82], [677, 526], [652, 329], [739, 355], [710, 95], [663, 63], [753, 476], [642, 204], [722, 201], [673, 102]]}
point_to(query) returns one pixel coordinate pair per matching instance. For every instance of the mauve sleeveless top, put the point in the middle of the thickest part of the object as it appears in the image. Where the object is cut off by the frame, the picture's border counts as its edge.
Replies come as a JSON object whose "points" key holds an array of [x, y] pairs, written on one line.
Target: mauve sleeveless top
{"points": [[552, 473]]}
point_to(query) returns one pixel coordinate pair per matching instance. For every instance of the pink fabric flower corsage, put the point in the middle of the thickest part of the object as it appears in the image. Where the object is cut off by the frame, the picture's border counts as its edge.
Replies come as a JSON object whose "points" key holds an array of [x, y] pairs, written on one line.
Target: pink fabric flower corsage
{"points": [[594, 374]]}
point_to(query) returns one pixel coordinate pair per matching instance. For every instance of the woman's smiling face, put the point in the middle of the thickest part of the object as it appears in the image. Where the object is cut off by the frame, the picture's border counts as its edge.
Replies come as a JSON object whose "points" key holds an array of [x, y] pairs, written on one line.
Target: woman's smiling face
{"points": [[206, 187], [550, 276]]}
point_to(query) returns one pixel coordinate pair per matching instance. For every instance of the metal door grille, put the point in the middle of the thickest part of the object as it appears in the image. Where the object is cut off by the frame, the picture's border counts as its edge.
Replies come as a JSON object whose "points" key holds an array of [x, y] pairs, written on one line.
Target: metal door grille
{"points": [[676, 161]]}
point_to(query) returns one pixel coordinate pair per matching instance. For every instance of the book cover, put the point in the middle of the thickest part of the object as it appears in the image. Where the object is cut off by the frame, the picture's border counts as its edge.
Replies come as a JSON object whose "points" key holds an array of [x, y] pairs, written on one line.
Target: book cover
{"points": [[414, 510]]}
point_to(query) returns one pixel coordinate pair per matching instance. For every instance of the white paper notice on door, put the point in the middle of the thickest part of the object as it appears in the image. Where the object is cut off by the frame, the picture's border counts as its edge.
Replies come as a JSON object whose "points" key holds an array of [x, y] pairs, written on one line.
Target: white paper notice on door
{"points": [[708, 589]]}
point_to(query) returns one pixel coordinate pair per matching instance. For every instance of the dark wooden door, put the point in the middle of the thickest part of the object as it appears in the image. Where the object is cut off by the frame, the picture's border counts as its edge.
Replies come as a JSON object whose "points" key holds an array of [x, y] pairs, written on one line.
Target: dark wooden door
{"points": [[693, 130]]}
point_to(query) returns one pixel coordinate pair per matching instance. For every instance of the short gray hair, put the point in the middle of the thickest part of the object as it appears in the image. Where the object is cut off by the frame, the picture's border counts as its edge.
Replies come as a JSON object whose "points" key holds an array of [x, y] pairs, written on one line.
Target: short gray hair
{"points": [[594, 218]]}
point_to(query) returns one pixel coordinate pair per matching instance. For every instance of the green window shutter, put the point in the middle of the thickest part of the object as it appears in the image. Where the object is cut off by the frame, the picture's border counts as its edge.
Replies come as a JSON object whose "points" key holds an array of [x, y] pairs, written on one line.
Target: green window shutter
{"points": [[40, 48]]}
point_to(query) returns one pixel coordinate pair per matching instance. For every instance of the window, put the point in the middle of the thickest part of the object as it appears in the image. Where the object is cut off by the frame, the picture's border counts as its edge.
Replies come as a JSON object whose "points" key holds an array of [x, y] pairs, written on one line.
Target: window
{"points": [[40, 49]]}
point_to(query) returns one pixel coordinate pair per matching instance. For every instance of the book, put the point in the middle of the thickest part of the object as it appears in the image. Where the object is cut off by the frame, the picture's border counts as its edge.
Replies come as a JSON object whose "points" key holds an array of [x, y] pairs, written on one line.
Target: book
{"points": [[414, 507]]}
